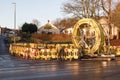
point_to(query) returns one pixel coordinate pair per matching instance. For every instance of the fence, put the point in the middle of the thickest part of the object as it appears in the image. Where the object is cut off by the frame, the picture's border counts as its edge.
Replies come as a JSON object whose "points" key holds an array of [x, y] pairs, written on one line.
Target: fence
{"points": [[44, 51]]}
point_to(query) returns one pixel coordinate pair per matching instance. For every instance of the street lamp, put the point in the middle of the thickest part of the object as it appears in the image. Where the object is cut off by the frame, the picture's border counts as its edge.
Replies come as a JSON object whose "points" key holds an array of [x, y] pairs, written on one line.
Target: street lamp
{"points": [[14, 20]]}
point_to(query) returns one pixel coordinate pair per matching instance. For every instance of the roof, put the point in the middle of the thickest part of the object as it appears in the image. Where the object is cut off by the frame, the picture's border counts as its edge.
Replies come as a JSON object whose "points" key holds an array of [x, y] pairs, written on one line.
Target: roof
{"points": [[49, 25]]}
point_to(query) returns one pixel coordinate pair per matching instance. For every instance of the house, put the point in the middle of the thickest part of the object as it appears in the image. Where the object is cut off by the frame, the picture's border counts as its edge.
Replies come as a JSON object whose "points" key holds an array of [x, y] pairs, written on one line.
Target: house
{"points": [[104, 23], [48, 28], [114, 32], [68, 30]]}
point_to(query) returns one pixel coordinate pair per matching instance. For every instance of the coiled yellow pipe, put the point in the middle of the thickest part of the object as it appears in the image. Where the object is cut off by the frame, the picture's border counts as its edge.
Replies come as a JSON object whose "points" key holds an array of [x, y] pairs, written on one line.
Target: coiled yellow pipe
{"points": [[99, 35]]}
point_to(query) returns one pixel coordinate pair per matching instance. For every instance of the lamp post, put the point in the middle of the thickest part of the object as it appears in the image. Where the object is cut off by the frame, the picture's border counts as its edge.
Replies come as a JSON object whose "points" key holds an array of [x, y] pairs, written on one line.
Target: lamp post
{"points": [[14, 20]]}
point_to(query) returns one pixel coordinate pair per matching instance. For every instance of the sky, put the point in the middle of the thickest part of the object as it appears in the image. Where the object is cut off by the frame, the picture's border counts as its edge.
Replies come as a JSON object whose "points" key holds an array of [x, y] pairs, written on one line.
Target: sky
{"points": [[27, 10]]}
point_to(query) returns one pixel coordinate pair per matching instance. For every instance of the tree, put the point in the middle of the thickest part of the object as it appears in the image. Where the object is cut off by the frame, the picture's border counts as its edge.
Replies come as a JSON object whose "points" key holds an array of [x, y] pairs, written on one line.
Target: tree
{"points": [[89, 8], [108, 6], [116, 15], [57, 22], [29, 28], [36, 22], [82, 8], [65, 22]]}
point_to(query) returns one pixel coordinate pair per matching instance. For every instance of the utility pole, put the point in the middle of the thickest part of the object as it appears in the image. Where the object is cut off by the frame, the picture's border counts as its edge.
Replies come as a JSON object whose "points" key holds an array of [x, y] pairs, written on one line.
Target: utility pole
{"points": [[14, 22]]}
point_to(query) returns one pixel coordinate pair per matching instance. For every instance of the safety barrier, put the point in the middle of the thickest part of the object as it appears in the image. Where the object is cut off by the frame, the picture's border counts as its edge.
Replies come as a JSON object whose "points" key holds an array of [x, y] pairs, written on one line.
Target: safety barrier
{"points": [[52, 51], [44, 51]]}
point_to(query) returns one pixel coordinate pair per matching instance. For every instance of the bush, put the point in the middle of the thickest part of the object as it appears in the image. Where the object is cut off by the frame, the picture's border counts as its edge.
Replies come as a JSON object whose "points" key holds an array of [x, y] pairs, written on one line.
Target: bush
{"points": [[53, 37]]}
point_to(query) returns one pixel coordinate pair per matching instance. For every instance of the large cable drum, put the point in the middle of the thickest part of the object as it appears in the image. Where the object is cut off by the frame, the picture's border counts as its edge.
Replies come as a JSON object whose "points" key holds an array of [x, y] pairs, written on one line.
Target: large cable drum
{"points": [[88, 35]]}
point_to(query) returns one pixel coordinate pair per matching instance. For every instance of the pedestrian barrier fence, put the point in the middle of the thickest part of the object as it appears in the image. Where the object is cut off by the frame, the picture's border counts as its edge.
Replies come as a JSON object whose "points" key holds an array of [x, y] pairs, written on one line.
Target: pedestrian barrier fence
{"points": [[44, 51]]}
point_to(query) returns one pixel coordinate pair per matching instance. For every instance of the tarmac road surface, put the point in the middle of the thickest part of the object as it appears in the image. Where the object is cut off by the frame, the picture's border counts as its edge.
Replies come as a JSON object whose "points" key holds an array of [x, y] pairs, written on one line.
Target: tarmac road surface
{"points": [[15, 68]]}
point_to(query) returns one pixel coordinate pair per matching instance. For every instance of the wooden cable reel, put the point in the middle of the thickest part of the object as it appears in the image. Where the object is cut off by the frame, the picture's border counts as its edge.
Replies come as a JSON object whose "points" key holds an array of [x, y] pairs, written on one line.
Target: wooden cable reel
{"points": [[88, 35]]}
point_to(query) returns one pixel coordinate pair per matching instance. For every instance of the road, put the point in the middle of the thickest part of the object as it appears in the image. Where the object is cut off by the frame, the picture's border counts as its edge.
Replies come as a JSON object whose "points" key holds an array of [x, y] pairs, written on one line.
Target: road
{"points": [[15, 68]]}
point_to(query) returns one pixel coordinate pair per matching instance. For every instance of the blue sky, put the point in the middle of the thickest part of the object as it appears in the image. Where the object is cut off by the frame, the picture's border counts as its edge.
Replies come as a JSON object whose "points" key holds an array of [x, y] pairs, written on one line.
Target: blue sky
{"points": [[27, 10]]}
